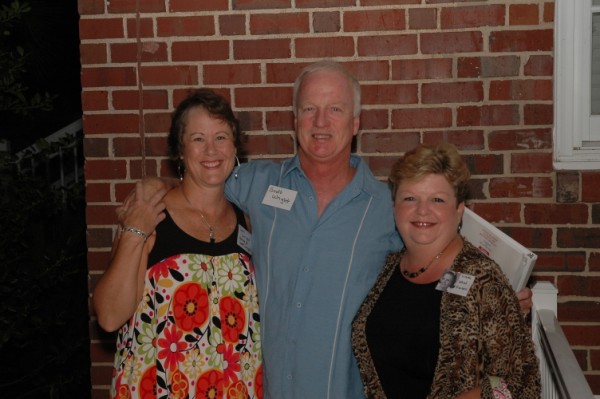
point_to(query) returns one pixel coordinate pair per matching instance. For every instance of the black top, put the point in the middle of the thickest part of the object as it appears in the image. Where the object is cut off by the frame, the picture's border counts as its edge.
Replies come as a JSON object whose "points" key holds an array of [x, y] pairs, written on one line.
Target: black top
{"points": [[400, 329], [174, 241]]}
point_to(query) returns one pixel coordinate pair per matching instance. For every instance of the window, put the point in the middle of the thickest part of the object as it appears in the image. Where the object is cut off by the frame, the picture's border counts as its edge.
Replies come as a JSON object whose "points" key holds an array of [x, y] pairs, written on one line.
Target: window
{"points": [[577, 84]]}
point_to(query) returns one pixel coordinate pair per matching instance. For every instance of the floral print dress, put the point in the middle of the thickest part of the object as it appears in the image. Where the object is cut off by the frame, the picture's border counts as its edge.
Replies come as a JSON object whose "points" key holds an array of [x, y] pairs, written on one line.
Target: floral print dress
{"points": [[196, 331]]}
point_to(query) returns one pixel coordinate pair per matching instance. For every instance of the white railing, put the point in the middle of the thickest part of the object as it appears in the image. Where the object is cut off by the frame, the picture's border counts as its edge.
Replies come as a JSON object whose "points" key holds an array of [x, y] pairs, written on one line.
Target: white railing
{"points": [[562, 377], [63, 166]]}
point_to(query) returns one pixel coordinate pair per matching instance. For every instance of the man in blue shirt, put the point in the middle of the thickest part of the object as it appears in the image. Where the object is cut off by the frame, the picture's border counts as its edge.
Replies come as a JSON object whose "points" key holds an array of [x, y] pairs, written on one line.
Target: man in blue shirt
{"points": [[322, 226]]}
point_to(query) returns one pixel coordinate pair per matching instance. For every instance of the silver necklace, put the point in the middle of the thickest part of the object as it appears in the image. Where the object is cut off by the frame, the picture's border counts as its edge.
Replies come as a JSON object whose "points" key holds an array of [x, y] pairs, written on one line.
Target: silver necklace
{"points": [[211, 229], [422, 270]]}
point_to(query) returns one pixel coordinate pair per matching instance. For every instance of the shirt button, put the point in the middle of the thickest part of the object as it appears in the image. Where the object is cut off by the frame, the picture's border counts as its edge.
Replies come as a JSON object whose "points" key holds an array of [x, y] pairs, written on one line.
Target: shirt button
{"points": [[311, 198], [298, 305], [289, 376], [306, 269]]}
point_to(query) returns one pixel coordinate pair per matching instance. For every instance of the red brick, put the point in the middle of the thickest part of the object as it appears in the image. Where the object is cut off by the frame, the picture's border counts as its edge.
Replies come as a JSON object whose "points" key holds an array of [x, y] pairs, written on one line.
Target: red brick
{"points": [[94, 100], [524, 40], [415, 118], [110, 123], [382, 143], [99, 214], [324, 3], [157, 146], [419, 69], [99, 237], [196, 51], [454, 92], [197, 25], [369, 70], [97, 192], [578, 311], [139, 169], [324, 22], [572, 285], [462, 139], [539, 65], [95, 147], [374, 119], [128, 52], [93, 53], [252, 97], [538, 114], [571, 237], [270, 145], [548, 11], [505, 212], [105, 169], [390, 94], [129, 99], [101, 28], [230, 74], [90, 7], [556, 214], [521, 90], [588, 335], [560, 261], [422, 18], [108, 77], [451, 42], [381, 45], [531, 238], [279, 121], [260, 4], [129, 6], [270, 24], [122, 190], [388, 20], [531, 163], [381, 165], [232, 25], [204, 5], [262, 49], [127, 147], [488, 115], [590, 186], [367, 3], [157, 122], [98, 260], [253, 120], [472, 16], [488, 67], [521, 187], [594, 261], [595, 359], [523, 14], [142, 28], [485, 164], [520, 139], [170, 75], [325, 47], [567, 187]]}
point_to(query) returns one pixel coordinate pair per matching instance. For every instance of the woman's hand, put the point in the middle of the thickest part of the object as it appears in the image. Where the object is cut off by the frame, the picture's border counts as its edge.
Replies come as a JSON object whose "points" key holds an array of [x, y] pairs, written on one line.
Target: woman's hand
{"points": [[143, 208], [525, 300]]}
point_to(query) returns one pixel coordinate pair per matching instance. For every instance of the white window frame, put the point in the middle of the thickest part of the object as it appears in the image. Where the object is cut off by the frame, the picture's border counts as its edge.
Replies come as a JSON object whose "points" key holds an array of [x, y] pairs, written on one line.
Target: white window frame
{"points": [[575, 148]]}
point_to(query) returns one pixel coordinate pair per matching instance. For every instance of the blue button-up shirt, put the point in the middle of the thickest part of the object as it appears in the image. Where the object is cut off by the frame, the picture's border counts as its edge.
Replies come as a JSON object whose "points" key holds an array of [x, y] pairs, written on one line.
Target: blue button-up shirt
{"points": [[313, 273]]}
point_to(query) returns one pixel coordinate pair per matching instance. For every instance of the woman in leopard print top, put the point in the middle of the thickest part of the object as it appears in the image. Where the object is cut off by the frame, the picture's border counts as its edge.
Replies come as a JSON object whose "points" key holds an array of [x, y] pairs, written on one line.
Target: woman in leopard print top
{"points": [[413, 341]]}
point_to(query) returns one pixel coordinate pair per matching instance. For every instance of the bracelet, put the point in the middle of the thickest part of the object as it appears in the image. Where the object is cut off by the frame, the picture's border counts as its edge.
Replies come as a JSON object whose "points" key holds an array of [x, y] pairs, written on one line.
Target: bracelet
{"points": [[135, 231]]}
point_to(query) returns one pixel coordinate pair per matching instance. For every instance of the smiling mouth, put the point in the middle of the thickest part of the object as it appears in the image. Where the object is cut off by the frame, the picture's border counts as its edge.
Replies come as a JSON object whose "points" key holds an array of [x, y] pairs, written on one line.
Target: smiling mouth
{"points": [[211, 164], [422, 224]]}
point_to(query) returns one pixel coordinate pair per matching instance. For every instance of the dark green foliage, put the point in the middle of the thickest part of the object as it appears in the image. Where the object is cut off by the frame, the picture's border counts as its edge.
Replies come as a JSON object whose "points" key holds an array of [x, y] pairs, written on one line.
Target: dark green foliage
{"points": [[44, 341]]}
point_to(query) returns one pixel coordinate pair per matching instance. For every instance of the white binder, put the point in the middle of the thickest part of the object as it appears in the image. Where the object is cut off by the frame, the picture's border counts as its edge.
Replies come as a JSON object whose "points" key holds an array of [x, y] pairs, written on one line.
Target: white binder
{"points": [[513, 258]]}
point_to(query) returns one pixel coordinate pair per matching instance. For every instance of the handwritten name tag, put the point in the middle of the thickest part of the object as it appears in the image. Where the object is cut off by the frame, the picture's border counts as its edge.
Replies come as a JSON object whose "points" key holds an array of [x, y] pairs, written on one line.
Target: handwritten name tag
{"points": [[463, 284], [280, 197], [244, 239]]}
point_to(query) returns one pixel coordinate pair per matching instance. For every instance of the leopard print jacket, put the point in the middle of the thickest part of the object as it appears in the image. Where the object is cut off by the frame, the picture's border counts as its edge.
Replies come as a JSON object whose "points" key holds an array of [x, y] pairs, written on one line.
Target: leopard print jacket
{"points": [[482, 335]]}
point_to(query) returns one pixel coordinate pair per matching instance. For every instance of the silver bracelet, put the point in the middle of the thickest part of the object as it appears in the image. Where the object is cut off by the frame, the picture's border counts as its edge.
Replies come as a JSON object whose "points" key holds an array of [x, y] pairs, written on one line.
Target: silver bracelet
{"points": [[135, 231]]}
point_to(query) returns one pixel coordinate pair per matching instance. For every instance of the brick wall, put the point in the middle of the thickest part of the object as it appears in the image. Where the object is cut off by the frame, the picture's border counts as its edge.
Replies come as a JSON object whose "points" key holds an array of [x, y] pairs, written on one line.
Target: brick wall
{"points": [[476, 73]]}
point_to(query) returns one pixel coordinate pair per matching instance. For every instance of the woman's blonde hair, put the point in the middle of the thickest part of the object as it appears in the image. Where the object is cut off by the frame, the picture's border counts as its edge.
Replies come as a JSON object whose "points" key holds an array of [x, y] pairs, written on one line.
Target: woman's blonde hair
{"points": [[440, 159]]}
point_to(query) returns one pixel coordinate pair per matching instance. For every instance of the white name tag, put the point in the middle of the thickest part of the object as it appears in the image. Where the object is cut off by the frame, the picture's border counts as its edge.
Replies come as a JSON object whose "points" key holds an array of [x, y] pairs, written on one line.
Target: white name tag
{"points": [[244, 239], [463, 284], [280, 197]]}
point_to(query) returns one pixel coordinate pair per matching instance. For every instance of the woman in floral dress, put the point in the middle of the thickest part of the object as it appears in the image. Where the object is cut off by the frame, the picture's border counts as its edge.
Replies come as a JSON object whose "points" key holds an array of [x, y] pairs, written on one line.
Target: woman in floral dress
{"points": [[180, 286]]}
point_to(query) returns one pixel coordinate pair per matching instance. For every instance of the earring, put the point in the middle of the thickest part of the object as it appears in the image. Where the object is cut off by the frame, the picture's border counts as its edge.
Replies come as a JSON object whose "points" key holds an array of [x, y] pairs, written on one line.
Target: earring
{"points": [[237, 165], [179, 171]]}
